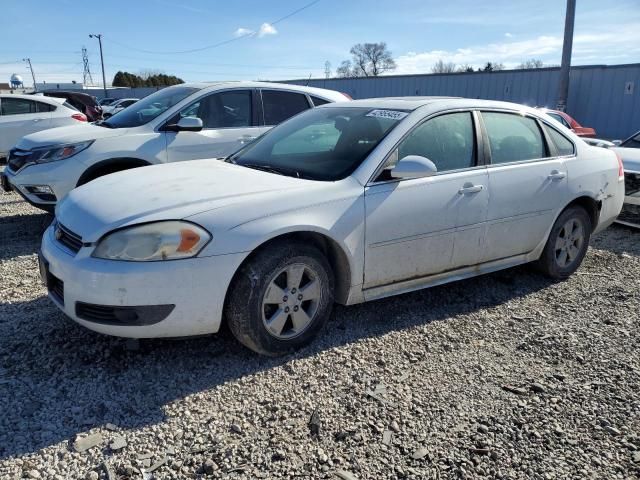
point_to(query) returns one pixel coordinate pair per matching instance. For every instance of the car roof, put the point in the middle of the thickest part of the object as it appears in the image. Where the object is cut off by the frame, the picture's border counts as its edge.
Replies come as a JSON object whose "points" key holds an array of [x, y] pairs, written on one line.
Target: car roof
{"points": [[39, 98], [321, 92], [413, 103]]}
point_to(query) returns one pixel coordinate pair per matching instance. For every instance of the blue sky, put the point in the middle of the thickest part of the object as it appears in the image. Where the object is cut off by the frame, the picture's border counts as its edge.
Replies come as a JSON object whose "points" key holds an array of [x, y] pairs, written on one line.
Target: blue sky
{"points": [[144, 35]]}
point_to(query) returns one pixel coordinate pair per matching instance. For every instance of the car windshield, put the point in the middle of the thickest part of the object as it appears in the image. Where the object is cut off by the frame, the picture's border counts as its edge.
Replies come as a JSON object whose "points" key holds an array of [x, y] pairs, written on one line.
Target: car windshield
{"points": [[145, 110], [633, 142], [326, 143]]}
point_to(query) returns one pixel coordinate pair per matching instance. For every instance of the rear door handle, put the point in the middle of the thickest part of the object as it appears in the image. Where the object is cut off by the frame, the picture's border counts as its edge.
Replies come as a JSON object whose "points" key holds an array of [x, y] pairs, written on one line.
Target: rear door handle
{"points": [[470, 188], [556, 175]]}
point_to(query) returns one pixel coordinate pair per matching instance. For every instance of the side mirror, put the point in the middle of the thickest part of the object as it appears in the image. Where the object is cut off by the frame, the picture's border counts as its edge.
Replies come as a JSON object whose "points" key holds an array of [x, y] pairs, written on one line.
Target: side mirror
{"points": [[617, 143], [186, 124], [414, 166]]}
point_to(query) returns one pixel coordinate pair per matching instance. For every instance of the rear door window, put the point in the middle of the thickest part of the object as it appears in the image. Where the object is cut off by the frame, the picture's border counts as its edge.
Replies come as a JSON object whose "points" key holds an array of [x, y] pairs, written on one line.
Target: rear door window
{"points": [[279, 105], [45, 107], [513, 137], [17, 106]]}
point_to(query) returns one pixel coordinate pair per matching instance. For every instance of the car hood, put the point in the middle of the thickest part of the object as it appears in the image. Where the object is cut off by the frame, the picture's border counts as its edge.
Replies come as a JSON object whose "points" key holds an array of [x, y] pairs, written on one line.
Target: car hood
{"points": [[162, 192], [630, 157], [69, 134]]}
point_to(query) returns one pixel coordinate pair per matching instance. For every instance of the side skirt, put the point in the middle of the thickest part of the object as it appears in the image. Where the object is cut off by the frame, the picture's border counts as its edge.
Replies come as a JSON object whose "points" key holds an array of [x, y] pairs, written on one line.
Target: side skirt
{"points": [[413, 284]]}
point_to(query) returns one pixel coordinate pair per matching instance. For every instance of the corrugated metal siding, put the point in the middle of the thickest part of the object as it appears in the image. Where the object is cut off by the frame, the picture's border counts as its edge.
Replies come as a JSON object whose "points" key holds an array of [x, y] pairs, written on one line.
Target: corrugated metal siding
{"points": [[597, 95]]}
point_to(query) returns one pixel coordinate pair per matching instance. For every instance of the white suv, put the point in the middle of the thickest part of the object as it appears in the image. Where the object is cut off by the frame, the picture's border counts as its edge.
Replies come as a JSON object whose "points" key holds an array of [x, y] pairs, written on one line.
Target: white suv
{"points": [[21, 115], [183, 122]]}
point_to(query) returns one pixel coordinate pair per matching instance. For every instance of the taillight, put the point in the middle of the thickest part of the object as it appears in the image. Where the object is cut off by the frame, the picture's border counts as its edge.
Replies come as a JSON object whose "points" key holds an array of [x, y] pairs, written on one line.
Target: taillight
{"points": [[81, 117], [620, 167], [347, 95]]}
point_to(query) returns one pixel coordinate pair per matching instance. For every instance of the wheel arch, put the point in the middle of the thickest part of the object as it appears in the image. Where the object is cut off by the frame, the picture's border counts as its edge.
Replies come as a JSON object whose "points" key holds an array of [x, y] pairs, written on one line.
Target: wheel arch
{"points": [[591, 206], [110, 166], [334, 252]]}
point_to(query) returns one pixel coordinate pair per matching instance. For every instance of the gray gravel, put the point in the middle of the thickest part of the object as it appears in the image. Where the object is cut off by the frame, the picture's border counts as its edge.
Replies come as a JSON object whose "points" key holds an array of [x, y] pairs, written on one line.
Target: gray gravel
{"points": [[503, 376]]}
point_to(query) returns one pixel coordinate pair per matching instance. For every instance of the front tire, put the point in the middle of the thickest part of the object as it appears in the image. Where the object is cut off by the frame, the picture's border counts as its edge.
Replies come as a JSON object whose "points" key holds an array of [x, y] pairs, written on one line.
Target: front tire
{"points": [[281, 298], [567, 244]]}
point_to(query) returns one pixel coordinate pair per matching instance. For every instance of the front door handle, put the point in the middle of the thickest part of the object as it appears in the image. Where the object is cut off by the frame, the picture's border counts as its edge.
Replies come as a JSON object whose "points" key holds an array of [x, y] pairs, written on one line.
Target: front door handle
{"points": [[470, 188], [556, 175], [246, 139]]}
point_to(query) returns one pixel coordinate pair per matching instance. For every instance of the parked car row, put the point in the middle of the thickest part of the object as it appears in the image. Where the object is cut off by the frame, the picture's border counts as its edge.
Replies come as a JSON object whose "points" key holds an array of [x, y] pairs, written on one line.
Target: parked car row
{"points": [[178, 123], [342, 201]]}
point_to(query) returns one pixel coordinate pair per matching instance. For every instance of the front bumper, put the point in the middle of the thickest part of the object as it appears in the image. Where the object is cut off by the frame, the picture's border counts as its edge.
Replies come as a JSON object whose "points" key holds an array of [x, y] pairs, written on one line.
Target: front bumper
{"points": [[196, 288], [60, 178], [630, 214]]}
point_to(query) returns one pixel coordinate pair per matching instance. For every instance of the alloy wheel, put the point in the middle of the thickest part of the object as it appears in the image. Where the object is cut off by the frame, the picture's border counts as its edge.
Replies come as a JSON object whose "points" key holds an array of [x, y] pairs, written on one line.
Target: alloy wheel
{"points": [[291, 301], [569, 242]]}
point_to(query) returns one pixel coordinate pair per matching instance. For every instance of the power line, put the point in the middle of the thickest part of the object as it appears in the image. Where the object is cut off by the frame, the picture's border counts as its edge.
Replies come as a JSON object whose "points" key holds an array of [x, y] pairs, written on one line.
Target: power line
{"points": [[219, 44]]}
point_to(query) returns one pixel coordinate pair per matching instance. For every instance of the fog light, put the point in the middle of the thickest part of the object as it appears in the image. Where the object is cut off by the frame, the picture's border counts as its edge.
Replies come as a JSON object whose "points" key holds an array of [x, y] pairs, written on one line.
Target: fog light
{"points": [[36, 189]]}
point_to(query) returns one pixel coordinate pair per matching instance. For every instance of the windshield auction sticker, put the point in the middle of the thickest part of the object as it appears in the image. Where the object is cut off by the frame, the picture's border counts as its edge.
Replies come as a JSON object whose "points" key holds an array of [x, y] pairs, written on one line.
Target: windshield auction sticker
{"points": [[390, 114]]}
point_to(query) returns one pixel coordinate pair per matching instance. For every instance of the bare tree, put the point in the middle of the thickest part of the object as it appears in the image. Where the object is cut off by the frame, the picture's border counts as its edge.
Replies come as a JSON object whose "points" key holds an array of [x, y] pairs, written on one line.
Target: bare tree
{"points": [[465, 68], [345, 70], [367, 60], [441, 67], [533, 63]]}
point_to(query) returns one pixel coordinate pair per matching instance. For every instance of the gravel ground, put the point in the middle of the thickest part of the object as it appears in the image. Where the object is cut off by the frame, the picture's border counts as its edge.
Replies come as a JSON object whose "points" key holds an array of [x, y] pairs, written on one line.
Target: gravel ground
{"points": [[503, 376]]}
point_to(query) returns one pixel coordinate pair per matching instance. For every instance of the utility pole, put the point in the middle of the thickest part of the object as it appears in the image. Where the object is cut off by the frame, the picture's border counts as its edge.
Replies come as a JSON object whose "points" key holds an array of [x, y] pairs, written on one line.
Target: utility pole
{"points": [[33, 75], [565, 67], [104, 82]]}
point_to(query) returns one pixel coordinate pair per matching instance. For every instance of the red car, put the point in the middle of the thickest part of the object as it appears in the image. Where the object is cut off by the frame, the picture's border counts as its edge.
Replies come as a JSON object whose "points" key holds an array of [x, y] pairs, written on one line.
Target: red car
{"points": [[570, 123]]}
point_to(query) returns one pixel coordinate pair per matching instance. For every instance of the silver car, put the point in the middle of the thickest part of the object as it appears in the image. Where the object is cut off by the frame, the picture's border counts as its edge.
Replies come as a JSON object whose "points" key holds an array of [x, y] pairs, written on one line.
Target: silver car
{"points": [[629, 151]]}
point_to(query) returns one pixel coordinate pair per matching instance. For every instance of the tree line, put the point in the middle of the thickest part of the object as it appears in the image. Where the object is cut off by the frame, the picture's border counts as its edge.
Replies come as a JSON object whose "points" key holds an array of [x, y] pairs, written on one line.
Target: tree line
{"points": [[126, 79], [374, 59]]}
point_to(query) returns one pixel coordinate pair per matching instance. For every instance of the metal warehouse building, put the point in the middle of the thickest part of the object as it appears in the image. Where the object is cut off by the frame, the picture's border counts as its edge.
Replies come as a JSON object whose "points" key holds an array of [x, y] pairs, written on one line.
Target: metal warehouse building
{"points": [[606, 98]]}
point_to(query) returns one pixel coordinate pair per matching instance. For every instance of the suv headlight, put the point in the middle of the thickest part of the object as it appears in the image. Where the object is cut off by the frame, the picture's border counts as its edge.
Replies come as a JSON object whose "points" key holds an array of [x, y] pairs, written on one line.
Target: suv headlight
{"points": [[168, 240], [58, 152]]}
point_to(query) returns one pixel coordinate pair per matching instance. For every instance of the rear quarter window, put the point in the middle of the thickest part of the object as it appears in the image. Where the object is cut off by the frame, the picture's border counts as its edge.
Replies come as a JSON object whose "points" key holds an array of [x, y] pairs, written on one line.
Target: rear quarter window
{"points": [[563, 145], [317, 101]]}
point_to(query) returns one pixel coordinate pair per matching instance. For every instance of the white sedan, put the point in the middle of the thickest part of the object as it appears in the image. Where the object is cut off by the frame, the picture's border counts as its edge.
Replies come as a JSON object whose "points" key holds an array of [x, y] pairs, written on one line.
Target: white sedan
{"points": [[345, 203], [116, 106]]}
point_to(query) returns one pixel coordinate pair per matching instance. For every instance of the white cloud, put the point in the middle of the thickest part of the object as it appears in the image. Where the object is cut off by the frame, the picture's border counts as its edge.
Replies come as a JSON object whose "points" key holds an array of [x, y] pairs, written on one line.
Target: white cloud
{"points": [[267, 29], [241, 32], [264, 30], [508, 35]]}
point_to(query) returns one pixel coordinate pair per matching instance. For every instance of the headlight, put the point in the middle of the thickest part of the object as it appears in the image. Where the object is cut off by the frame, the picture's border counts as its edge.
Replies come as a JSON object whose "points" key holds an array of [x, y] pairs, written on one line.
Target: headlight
{"points": [[150, 242], [59, 152]]}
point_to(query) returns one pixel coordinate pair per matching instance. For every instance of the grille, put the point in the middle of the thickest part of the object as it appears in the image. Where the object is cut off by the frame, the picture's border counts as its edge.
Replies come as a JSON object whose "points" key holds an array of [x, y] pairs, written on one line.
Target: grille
{"points": [[56, 288], [17, 159], [67, 238], [631, 183]]}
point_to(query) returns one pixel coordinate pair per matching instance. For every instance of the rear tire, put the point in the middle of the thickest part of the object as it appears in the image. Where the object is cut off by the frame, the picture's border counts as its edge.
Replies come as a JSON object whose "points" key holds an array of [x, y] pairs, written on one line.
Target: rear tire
{"points": [[280, 299], [567, 244]]}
